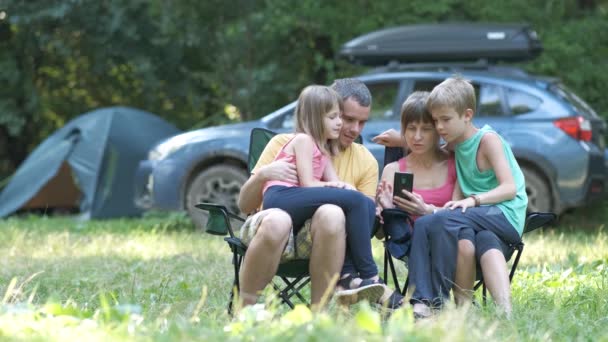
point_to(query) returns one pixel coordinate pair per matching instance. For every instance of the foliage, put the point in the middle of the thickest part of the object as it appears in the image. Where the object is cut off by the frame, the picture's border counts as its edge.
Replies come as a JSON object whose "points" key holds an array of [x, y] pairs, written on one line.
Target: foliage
{"points": [[199, 63], [158, 279]]}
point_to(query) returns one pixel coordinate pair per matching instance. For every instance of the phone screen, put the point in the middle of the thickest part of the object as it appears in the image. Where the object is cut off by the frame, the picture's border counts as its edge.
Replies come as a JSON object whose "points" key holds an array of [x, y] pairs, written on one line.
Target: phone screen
{"points": [[403, 180]]}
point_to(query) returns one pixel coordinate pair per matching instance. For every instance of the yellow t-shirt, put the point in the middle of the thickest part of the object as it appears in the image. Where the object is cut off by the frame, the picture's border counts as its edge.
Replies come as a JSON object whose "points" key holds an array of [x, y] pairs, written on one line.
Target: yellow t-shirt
{"points": [[355, 165]]}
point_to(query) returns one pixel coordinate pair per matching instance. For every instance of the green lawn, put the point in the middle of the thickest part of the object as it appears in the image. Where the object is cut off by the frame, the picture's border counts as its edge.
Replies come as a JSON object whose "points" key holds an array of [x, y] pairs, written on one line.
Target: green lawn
{"points": [[158, 279]]}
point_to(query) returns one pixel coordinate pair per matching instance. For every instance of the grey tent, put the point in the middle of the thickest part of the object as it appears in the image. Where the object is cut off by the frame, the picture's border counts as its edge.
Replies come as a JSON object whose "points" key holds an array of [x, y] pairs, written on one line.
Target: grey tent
{"points": [[89, 163]]}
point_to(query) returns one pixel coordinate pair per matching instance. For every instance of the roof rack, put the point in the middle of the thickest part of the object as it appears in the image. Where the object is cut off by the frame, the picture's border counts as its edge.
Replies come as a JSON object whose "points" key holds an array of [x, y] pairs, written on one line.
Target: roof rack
{"points": [[479, 65], [444, 42]]}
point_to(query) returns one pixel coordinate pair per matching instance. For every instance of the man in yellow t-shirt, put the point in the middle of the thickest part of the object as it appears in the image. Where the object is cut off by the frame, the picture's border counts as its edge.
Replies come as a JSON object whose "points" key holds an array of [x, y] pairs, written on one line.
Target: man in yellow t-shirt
{"points": [[354, 164]]}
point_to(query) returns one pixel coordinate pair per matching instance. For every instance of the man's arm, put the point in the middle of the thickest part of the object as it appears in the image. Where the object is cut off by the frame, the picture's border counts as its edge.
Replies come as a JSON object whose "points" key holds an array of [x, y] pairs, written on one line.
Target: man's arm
{"points": [[390, 138], [250, 197]]}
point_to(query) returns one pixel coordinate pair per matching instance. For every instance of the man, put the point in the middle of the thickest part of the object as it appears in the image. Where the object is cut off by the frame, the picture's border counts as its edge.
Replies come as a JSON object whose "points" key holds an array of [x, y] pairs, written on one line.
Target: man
{"points": [[354, 164]]}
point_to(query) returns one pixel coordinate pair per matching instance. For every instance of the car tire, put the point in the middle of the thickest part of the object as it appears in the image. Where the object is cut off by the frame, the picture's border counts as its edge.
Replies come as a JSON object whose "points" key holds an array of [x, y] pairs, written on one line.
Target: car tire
{"points": [[218, 184], [538, 191]]}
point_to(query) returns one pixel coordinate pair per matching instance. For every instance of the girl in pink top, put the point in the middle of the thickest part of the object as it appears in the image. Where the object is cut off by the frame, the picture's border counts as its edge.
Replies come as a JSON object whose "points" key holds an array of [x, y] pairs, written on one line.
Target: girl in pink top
{"points": [[318, 127]]}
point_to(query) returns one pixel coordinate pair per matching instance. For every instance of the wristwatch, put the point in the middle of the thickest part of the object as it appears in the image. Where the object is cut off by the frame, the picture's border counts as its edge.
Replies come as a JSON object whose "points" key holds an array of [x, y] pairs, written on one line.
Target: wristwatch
{"points": [[476, 199]]}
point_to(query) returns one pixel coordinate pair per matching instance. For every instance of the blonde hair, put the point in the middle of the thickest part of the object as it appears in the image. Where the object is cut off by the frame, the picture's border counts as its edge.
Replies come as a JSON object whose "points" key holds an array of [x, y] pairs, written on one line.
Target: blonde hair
{"points": [[314, 103], [455, 92]]}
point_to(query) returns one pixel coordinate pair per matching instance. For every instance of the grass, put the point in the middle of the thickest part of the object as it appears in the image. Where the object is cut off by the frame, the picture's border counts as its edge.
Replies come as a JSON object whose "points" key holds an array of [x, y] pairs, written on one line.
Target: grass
{"points": [[157, 278]]}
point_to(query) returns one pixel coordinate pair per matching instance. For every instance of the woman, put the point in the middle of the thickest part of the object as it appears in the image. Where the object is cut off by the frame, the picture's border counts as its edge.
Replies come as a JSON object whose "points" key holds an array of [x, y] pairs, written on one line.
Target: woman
{"points": [[434, 181]]}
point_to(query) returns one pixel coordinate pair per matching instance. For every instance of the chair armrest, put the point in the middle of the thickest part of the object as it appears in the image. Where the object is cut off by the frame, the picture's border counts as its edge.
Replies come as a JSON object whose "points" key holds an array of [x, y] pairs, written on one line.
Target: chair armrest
{"points": [[218, 222], [537, 220]]}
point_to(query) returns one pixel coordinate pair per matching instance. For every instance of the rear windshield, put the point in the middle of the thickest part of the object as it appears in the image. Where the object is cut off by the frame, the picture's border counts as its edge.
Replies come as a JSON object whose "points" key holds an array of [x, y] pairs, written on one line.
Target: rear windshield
{"points": [[580, 106]]}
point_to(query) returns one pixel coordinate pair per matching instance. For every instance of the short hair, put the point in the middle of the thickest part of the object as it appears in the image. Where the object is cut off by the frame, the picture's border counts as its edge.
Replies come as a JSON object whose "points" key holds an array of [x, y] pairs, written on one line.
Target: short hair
{"points": [[314, 103], [455, 92], [414, 109], [353, 88]]}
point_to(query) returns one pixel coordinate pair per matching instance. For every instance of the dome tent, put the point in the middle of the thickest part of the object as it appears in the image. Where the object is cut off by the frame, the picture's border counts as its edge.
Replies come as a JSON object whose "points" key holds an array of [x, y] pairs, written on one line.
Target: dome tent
{"points": [[101, 150]]}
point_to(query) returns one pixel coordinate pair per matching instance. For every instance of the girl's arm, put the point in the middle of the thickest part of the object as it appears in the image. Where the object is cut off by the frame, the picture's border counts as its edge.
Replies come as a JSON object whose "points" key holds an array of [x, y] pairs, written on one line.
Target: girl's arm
{"points": [[329, 174], [303, 147]]}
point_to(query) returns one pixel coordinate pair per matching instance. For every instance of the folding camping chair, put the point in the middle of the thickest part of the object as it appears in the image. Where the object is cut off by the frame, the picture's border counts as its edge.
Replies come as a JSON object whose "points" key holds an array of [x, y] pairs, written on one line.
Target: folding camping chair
{"points": [[534, 221], [293, 273]]}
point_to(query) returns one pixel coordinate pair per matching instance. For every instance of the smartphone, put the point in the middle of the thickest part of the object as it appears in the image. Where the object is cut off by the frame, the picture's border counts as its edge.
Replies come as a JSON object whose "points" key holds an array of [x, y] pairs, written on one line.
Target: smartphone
{"points": [[403, 180]]}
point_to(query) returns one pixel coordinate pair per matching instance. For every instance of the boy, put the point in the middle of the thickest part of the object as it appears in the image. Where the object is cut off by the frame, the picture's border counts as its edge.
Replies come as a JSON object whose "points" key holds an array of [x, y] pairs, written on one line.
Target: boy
{"points": [[493, 208]]}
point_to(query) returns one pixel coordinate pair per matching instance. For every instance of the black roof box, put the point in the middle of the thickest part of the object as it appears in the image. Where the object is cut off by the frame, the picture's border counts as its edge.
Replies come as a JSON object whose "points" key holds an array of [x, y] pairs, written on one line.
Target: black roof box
{"points": [[444, 43]]}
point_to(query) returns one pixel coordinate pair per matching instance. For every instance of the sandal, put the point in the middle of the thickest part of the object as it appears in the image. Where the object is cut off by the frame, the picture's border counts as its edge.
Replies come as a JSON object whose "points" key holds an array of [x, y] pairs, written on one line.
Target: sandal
{"points": [[393, 302], [368, 289]]}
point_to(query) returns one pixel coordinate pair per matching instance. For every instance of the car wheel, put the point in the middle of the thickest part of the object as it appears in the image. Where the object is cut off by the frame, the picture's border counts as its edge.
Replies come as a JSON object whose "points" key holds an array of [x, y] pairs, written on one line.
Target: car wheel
{"points": [[539, 194], [218, 184]]}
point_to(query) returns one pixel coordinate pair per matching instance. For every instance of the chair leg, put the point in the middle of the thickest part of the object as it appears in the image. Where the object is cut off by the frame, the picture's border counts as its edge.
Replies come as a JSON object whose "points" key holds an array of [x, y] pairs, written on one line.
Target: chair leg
{"points": [[520, 250], [388, 259], [406, 285], [236, 262]]}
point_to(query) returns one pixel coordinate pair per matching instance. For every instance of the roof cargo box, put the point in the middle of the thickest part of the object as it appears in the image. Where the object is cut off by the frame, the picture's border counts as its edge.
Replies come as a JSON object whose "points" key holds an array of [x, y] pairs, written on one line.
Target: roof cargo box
{"points": [[444, 43]]}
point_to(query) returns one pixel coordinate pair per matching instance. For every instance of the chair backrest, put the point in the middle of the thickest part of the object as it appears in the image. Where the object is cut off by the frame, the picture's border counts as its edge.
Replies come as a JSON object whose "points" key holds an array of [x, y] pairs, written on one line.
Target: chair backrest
{"points": [[258, 140], [392, 154], [218, 221]]}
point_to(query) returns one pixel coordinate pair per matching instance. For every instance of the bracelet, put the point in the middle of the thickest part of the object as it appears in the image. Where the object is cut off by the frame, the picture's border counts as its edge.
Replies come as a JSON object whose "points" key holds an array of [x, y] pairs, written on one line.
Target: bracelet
{"points": [[476, 199]]}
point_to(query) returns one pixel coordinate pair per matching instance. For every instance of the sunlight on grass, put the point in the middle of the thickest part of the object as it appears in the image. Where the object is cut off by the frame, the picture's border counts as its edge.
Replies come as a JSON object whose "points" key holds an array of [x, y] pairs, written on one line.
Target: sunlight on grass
{"points": [[158, 278]]}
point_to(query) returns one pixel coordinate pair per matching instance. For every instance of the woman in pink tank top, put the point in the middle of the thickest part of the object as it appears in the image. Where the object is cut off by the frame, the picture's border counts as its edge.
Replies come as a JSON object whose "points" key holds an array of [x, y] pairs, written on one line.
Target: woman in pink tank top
{"points": [[433, 167]]}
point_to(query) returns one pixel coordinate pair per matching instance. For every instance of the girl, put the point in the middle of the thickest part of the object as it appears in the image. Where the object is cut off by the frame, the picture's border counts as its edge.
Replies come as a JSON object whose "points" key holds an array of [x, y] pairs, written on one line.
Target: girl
{"points": [[318, 127]]}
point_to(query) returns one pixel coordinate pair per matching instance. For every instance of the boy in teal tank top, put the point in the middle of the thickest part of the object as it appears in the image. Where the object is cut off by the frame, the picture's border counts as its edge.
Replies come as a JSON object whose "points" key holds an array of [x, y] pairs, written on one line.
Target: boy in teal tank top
{"points": [[492, 210]]}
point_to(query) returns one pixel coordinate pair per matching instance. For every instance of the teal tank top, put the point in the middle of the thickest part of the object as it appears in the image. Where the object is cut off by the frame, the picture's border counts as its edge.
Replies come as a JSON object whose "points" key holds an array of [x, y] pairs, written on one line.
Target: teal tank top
{"points": [[472, 181]]}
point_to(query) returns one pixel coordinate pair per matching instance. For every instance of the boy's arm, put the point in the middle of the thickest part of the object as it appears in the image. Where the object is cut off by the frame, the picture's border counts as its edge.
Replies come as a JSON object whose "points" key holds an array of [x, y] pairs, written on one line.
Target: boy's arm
{"points": [[491, 149]]}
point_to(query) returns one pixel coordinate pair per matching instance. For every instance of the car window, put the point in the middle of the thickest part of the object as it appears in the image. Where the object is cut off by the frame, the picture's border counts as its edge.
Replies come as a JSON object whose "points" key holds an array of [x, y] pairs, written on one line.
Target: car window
{"points": [[521, 102], [488, 96], [287, 122], [571, 98], [489, 101], [425, 85], [383, 99]]}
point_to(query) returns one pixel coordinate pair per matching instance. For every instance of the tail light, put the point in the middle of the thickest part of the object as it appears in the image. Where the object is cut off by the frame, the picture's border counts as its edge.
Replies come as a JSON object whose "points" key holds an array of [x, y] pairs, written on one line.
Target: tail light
{"points": [[577, 127]]}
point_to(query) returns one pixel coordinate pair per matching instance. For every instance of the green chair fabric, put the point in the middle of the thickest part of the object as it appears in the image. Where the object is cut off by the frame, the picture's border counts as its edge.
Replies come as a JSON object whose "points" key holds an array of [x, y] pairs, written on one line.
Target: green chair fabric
{"points": [[293, 273]]}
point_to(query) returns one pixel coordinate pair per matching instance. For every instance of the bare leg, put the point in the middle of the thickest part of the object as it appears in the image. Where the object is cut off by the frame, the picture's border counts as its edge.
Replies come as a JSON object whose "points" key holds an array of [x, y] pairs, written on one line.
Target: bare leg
{"points": [[465, 272], [327, 256], [494, 269], [263, 255]]}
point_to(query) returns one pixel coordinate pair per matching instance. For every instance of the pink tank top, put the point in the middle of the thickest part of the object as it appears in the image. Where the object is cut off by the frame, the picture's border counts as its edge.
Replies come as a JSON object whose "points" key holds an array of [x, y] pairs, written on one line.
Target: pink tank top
{"points": [[440, 195], [319, 162]]}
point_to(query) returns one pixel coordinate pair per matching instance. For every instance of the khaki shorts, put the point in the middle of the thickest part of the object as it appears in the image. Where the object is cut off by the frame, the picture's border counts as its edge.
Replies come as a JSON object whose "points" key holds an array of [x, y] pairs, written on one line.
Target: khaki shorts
{"points": [[296, 248]]}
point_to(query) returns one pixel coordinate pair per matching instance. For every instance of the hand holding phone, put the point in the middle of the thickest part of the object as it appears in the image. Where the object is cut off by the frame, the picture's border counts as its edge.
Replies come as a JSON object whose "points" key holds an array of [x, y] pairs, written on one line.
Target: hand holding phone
{"points": [[403, 180]]}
